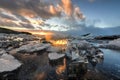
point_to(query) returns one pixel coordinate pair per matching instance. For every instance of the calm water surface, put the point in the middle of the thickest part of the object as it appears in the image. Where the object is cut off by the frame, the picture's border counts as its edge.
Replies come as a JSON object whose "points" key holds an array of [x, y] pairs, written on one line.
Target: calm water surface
{"points": [[111, 63]]}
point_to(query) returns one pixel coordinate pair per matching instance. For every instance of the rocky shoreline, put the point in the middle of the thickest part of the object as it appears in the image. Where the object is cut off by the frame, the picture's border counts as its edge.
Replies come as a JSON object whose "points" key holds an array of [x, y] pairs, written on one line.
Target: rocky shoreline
{"points": [[34, 60]]}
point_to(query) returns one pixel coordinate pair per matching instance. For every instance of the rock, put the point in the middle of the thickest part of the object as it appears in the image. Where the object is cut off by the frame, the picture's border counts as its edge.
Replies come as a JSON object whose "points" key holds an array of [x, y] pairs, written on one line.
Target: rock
{"points": [[84, 44], [55, 56], [56, 59], [111, 37], [6, 44], [95, 52], [81, 44], [114, 44], [8, 63], [53, 49], [31, 48], [2, 52], [95, 55]]}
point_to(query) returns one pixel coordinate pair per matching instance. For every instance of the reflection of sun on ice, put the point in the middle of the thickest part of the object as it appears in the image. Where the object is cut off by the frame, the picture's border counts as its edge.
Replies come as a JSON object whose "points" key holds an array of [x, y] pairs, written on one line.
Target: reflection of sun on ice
{"points": [[51, 37], [61, 42], [48, 35], [61, 68]]}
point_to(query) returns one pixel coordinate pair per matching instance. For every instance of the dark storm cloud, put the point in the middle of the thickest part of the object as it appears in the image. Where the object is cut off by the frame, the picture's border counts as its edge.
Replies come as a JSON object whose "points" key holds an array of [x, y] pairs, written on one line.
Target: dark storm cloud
{"points": [[20, 17], [25, 12], [26, 7], [3, 23], [7, 17], [9, 4], [27, 26], [42, 8]]}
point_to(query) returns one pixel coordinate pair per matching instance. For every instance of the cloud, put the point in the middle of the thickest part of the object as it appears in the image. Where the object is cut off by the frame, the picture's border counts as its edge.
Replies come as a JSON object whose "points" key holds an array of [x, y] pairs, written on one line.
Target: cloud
{"points": [[42, 8], [67, 6], [23, 7], [9, 17], [29, 13]]}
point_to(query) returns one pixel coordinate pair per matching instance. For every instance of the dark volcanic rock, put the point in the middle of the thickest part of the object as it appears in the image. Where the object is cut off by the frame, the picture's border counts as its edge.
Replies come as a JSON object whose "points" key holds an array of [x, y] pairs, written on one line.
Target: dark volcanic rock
{"points": [[8, 31], [5, 44], [112, 37]]}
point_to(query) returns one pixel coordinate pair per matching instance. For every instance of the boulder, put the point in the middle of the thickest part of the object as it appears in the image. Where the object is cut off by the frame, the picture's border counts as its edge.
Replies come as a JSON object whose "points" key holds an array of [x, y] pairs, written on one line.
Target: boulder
{"points": [[114, 44], [2, 52], [56, 58], [31, 48], [54, 49], [8, 63], [84, 44]]}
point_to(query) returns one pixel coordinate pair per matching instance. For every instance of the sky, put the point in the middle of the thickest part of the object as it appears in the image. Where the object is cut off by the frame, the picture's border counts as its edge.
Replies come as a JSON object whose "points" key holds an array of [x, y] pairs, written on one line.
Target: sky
{"points": [[105, 13], [60, 15]]}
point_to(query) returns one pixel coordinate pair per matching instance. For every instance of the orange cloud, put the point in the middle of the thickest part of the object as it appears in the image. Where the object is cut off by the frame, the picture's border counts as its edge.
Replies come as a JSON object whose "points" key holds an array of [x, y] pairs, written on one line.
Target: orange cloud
{"points": [[28, 13], [67, 6], [53, 10]]}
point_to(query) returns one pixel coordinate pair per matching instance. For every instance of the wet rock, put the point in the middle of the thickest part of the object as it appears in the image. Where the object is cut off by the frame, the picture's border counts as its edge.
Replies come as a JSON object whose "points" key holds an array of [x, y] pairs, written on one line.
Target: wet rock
{"points": [[31, 48], [6, 44], [2, 52], [81, 44], [53, 49], [9, 66], [56, 59], [84, 52], [76, 70], [55, 56], [111, 37], [114, 44], [84, 44], [8, 63]]}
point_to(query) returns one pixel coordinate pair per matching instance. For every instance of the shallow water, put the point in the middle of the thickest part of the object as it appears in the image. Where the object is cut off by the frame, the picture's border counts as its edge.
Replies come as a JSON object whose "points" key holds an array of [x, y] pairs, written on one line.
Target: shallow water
{"points": [[111, 63]]}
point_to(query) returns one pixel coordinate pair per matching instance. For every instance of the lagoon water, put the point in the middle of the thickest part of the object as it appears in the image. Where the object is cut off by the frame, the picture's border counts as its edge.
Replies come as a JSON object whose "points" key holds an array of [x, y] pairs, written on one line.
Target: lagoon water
{"points": [[111, 63]]}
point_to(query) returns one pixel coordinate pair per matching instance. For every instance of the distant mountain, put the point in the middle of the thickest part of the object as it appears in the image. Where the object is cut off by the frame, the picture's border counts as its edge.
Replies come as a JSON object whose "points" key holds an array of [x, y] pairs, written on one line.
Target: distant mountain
{"points": [[95, 31], [8, 31]]}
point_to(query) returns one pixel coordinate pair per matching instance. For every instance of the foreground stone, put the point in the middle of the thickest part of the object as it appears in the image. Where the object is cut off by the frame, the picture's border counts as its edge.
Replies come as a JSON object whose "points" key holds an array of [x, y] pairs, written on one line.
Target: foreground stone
{"points": [[8, 63], [54, 49], [55, 56], [56, 59], [31, 48]]}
